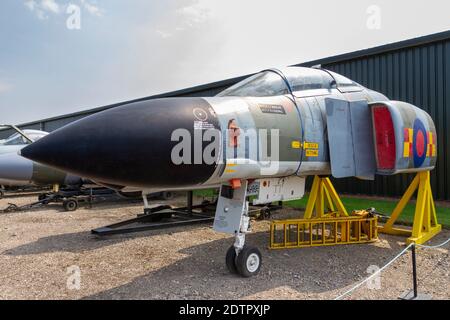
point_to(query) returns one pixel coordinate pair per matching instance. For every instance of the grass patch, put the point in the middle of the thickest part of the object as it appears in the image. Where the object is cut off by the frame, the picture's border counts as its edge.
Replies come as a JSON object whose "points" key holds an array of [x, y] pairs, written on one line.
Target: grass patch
{"points": [[383, 206], [205, 193]]}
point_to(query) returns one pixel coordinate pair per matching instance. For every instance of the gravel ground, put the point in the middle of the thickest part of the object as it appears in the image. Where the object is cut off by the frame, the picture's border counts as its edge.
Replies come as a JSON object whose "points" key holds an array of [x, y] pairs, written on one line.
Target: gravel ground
{"points": [[37, 248]]}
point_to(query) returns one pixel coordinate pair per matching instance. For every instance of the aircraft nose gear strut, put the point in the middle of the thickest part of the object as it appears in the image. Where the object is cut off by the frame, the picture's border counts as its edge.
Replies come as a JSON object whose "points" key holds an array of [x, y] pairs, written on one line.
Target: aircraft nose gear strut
{"points": [[232, 217]]}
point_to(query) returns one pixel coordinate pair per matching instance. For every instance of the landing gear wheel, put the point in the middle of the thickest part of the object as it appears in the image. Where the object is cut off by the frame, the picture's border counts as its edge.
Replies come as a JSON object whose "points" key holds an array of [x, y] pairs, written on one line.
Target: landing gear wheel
{"points": [[70, 205], [1, 194], [230, 260], [167, 195], [265, 214], [248, 262]]}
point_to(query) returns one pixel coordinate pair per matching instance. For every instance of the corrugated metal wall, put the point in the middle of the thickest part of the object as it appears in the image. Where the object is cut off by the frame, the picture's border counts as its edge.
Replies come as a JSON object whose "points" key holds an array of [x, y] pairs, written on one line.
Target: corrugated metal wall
{"points": [[416, 71], [418, 75]]}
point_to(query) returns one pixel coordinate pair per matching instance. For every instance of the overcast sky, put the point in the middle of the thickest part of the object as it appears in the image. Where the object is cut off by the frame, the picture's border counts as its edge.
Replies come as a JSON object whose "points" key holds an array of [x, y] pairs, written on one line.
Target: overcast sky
{"points": [[126, 49]]}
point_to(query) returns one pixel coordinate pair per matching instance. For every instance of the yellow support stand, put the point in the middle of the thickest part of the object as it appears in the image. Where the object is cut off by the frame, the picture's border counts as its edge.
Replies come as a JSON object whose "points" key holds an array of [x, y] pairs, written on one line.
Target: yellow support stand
{"points": [[323, 193], [425, 224]]}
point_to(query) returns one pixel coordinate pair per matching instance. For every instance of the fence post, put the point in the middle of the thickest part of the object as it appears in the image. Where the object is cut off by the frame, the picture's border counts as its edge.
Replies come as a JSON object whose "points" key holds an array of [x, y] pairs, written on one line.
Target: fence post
{"points": [[414, 266], [413, 294]]}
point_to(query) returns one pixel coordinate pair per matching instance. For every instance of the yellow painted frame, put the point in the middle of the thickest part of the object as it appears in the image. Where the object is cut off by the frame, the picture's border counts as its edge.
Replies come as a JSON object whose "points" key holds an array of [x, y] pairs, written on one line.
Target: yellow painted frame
{"points": [[350, 227], [323, 193], [323, 196], [425, 224]]}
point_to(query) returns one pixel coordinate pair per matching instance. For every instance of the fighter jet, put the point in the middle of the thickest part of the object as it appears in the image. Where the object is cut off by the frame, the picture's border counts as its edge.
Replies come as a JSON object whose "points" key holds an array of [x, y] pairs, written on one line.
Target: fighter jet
{"points": [[19, 139], [260, 137], [16, 171]]}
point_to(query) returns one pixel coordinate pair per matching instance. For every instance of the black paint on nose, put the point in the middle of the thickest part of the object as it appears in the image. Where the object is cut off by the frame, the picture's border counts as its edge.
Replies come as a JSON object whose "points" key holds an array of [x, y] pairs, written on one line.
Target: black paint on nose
{"points": [[130, 145]]}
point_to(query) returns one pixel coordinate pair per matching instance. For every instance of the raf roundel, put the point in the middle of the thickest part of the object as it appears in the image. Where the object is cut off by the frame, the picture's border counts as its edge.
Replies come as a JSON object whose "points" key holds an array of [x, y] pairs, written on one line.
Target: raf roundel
{"points": [[420, 143]]}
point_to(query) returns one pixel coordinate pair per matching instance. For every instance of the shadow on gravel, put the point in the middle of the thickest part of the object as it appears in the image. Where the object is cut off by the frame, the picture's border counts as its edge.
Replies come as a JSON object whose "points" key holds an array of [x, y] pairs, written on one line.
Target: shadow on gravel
{"points": [[203, 275], [83, 241]]}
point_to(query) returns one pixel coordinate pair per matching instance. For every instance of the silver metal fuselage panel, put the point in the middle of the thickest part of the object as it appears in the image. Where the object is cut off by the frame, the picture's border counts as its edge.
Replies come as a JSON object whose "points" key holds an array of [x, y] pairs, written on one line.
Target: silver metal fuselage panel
{"points": [[302, 133]]}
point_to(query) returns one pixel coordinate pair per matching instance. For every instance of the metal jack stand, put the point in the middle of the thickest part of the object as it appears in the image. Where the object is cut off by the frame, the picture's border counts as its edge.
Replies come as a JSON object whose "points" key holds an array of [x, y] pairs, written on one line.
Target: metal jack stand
{"points": [[425, 224], [413, 294], [324, 195], [161, 217]]}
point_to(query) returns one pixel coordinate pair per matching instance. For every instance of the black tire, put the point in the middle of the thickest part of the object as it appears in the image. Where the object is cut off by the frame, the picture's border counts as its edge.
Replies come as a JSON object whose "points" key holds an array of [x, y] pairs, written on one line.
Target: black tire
{"points": [[248, 262], [167, 195], [267, 214], [264, 214], [2, 194], [230, 260], [70, 205]]}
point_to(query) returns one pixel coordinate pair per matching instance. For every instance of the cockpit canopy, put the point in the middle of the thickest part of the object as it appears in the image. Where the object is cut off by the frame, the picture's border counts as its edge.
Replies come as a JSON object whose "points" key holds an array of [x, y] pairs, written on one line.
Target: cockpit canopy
{"points": [[295, 80], [17, 139]]}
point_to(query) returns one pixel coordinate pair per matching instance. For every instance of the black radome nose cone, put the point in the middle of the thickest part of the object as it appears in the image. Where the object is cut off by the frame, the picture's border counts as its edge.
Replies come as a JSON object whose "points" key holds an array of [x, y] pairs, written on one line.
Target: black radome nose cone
{"points": [[128, 145]]}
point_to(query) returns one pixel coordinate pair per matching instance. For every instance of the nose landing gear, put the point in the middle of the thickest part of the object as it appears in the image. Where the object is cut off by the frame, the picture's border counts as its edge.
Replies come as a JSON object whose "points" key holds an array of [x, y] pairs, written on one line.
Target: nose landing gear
{"points": [[232, 217]]}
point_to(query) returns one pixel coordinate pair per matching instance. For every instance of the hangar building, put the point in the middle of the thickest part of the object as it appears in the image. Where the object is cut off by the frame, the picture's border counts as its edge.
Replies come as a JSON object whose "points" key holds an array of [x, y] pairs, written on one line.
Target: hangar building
{"points": [[416, 71]]}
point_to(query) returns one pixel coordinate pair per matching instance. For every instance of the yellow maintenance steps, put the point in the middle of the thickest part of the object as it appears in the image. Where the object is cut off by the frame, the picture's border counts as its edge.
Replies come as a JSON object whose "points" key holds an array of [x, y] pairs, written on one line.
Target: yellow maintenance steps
{"points": [[303, 233], [327, 222], [331, 224]]}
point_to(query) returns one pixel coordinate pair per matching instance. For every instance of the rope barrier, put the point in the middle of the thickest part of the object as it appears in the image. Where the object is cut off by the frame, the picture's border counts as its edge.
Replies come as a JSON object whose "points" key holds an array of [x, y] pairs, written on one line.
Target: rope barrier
{"points": [[388, 264], [374, 274], [434, 247]]}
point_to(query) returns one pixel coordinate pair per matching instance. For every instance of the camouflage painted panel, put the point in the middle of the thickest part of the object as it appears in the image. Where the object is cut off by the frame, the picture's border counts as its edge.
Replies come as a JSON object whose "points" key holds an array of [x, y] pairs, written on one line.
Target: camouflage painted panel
{"points": [[315, 142], [279, 113]]}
